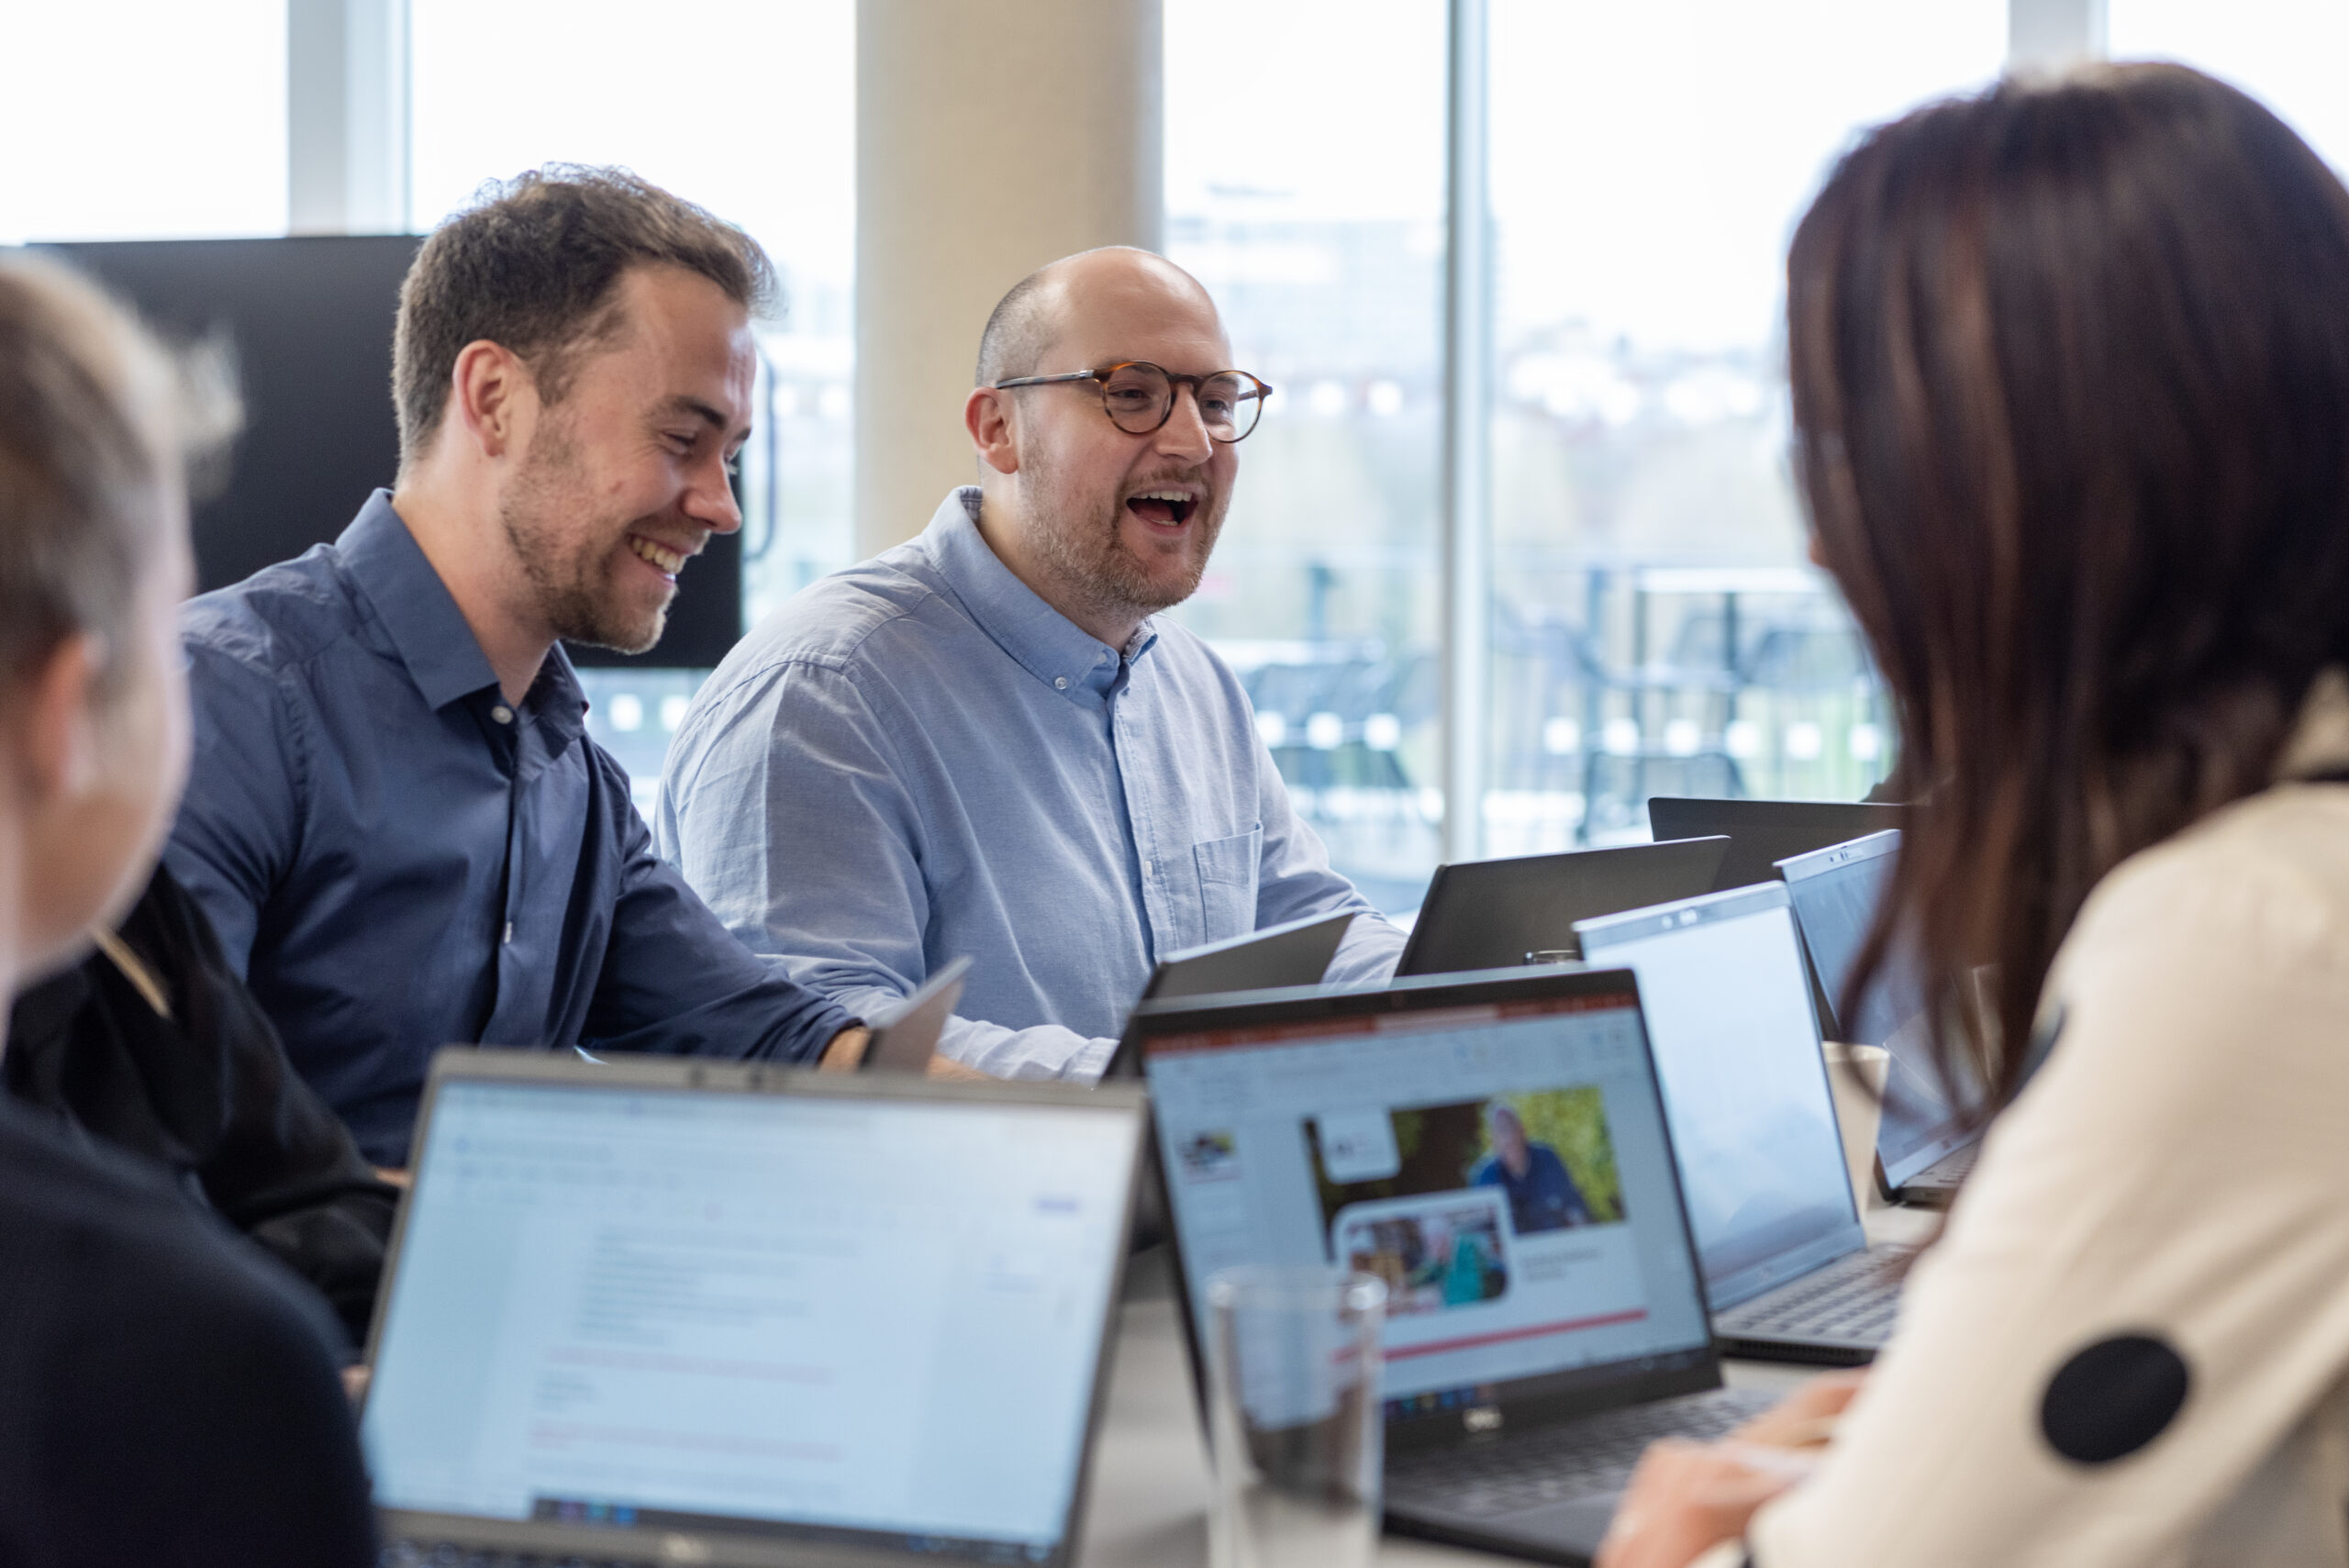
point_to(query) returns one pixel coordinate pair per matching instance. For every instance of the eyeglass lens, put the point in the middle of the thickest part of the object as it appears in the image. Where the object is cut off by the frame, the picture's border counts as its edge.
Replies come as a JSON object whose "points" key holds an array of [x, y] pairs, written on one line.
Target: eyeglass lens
{"points": [[1141, 397]]}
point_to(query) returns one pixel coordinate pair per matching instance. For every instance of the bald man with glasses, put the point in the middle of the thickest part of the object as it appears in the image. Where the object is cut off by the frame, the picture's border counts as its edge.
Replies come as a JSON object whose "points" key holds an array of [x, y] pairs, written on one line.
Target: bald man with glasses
{"points": [[986, 742]]}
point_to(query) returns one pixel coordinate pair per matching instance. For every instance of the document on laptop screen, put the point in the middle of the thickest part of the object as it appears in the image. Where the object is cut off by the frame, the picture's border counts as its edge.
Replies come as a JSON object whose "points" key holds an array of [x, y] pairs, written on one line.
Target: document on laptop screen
{"points": [[632, 1307], [1504, 1168]]}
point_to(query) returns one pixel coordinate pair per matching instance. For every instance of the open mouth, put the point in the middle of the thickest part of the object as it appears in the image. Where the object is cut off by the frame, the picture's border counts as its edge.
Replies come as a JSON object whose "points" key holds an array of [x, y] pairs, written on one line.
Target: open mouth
{"points": [[1167, 509], [660, 557]]}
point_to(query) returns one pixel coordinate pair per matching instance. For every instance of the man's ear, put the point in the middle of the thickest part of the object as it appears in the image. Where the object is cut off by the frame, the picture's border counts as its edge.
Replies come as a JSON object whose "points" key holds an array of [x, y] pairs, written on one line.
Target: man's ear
{"points": [[491, 394], [55, 736], [986, 414]]}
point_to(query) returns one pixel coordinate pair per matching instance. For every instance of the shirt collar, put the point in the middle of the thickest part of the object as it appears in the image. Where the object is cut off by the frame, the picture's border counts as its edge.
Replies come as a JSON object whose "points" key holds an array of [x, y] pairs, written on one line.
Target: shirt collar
{"points": [[1047, 645], [418, 614], [442, 656]]}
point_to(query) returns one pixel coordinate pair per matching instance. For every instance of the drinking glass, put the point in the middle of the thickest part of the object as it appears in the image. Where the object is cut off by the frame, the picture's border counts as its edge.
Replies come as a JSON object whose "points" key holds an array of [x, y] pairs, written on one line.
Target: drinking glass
{"points": [[1296, 1432]]}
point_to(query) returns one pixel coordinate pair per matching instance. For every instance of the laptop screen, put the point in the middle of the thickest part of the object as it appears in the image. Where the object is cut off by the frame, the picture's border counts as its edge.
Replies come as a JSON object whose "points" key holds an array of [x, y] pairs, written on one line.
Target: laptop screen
{"points": [[817, 1317], [1835, 894], [1503, 1166], [1728, 1006]]}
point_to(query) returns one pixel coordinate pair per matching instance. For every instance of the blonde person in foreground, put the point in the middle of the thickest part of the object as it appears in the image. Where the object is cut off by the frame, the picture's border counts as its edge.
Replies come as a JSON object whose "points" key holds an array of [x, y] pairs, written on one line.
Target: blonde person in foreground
{"points": [[2071, 388], [168, 1395]]}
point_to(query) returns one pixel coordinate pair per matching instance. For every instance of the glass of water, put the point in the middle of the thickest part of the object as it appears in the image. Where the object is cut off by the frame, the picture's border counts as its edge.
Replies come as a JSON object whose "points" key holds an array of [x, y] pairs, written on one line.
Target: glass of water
{"points": [[1296, 1432]]}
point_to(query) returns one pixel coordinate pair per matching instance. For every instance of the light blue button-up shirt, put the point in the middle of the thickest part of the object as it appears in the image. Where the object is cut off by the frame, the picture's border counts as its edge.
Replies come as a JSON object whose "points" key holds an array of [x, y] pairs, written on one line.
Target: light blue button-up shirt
{"points": [[918, 759]]}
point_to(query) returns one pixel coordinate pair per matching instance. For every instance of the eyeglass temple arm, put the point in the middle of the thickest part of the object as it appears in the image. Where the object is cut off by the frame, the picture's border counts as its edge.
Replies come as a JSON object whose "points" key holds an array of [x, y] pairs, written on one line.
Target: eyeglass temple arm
{"points": [[1045, 380]]}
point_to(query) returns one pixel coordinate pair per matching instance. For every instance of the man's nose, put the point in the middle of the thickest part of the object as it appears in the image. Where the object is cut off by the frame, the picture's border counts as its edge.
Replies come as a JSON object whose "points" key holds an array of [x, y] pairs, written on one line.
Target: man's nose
{"points": [[1184, 434], [709, 499]]}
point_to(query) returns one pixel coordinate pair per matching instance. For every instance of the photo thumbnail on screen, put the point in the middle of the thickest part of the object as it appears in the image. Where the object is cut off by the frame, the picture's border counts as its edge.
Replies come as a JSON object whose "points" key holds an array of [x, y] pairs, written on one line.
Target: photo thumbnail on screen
{"points": [[1434, 1198]]}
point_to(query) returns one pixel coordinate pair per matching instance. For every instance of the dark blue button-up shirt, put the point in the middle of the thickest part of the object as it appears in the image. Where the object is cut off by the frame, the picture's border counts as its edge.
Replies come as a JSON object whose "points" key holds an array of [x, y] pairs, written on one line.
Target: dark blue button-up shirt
{"points": [[398, 859]]}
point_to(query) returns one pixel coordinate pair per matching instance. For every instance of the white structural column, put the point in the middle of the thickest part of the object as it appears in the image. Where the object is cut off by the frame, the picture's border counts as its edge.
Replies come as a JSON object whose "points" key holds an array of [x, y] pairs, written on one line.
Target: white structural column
{"points": [[2054, 35], [991, 137], [1467, 436], [346, 121]]}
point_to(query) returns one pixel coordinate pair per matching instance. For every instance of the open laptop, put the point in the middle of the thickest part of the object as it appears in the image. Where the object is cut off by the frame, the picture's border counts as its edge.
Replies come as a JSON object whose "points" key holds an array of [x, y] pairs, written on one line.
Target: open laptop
{"points": [[1543, 1325], [1297, 953], [907, 1038], [663, 1311], [1786, 1262], [1761, 833], [1924, 1145], [1500, 912], [1278, 957]]}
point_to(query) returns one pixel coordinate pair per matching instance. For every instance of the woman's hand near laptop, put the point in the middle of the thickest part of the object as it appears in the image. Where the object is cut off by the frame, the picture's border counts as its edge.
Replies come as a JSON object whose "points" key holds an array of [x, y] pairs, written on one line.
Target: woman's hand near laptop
{"points": [[1688, 1497]]}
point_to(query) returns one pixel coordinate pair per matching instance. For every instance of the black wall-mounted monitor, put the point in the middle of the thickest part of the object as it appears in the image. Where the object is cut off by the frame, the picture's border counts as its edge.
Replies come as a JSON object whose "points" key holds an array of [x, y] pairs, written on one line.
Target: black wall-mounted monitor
{"points": [[311, 319]]}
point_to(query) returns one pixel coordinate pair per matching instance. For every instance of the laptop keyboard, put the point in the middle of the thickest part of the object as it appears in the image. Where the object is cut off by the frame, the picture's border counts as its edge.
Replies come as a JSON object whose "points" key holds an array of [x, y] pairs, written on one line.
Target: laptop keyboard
{"points": [[1854, 1297], [447, 1554], [1950, 1169], [1559, 1462]]}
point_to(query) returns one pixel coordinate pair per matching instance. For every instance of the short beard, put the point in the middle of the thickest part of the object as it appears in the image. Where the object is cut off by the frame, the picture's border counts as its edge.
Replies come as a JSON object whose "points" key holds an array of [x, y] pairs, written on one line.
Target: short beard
{"points": [[566, 571], [1086, 554]]}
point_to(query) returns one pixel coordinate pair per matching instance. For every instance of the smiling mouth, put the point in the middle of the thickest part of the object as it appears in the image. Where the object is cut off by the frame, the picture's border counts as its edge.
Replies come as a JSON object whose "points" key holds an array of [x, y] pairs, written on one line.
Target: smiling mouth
{"points": [[1168, 508], [660, 558]]}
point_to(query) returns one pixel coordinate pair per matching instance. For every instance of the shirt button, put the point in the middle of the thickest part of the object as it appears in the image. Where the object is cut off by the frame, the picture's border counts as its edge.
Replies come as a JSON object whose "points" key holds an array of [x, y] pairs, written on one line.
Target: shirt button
{"points": [[502, 714], [1059, 682], [509, 930]]}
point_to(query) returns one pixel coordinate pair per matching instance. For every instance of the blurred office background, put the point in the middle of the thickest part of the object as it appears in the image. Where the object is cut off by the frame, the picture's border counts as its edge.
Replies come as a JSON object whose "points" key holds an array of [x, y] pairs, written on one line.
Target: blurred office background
{"points": [[1515, 546]]}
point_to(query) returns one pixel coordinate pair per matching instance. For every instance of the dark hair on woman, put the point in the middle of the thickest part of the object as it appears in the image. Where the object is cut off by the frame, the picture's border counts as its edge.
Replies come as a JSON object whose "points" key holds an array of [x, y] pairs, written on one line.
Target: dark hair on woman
{"points": [[2070, 366]]}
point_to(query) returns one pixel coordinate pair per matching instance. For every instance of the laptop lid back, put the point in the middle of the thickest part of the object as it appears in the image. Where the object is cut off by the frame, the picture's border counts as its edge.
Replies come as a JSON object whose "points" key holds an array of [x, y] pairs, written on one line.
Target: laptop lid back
{"points": [[1836, 891], [908, 1037], [1500, 912], [1762, 832], [1495, 1149], [1291, 957], [1297, 953], [727, 1314], [1727, 1006]]}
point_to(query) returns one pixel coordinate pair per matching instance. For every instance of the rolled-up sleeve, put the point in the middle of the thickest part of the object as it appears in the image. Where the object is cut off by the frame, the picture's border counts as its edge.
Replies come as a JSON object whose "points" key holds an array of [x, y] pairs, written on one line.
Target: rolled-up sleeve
{"points": [[801, 836]]}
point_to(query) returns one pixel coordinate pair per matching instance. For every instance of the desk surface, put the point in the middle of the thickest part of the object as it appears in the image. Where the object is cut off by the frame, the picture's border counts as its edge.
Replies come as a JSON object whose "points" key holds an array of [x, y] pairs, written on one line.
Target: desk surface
{"points": [[1150, 1469]]}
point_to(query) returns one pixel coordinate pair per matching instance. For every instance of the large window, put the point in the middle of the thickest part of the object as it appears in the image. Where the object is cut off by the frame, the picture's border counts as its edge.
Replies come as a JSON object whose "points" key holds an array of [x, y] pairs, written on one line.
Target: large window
{"points": [[1656, 626], [1305, 187], [749, 111], [142, 119]]}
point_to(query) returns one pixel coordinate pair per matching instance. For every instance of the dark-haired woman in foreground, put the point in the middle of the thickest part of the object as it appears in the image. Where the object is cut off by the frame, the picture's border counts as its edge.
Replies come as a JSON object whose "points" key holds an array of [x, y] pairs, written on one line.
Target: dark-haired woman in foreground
{"points": [[2071, 378]]}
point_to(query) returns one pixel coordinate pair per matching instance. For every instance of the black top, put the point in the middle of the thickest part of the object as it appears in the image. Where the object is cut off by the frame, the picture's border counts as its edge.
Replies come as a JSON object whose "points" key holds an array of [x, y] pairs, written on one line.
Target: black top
{"points": [[167, 1397], [208, 1094]]}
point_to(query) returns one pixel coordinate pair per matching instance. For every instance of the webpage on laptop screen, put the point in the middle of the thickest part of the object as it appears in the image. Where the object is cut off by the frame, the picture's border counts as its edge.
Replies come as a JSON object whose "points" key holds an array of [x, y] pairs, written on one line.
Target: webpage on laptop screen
{"points": [[663, 1308], [1504, 1169]]}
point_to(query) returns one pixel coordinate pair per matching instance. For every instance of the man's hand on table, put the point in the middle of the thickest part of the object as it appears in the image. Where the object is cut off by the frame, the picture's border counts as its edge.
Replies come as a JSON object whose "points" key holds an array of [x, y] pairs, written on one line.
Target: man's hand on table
{"points": [[846, 1051], [1686, 1497]]}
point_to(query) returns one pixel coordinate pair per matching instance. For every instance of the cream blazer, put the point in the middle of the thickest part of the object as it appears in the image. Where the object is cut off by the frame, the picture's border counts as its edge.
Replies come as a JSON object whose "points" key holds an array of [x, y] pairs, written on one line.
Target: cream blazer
{"points": [[2132, 1344]]}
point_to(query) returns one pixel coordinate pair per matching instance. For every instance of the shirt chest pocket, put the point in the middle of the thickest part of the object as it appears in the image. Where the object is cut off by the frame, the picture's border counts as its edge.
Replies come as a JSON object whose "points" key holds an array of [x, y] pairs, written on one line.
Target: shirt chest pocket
{"points": [[1227, 870]]}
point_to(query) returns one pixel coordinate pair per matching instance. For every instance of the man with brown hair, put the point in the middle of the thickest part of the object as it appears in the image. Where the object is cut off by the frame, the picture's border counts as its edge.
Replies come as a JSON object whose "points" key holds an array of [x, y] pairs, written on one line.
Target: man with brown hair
{"points": [[167, 1397], [395, 818]]}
